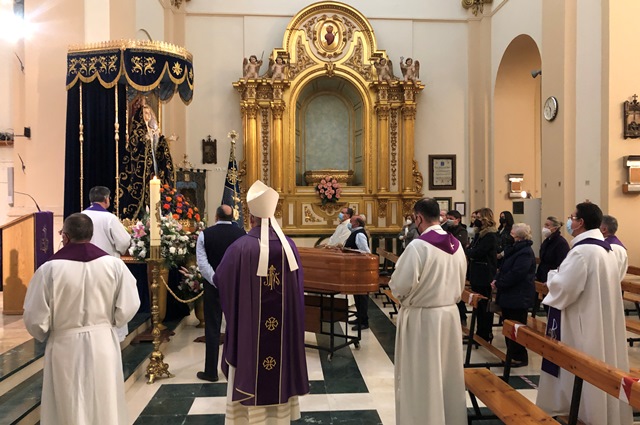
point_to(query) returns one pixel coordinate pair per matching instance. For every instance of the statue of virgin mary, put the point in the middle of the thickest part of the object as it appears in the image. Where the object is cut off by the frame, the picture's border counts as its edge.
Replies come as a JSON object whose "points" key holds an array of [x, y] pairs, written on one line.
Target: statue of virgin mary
{"points": [[146, 154]]}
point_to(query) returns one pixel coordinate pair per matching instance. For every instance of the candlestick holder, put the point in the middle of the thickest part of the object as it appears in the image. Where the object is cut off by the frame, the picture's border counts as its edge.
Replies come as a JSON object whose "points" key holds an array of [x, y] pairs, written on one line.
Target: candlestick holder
{"points": [[156, 368]]}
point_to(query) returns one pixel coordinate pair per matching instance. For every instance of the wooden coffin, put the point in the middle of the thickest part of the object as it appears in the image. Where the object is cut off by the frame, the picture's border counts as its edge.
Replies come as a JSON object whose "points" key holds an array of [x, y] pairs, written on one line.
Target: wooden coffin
{"points": [[346, 272]]}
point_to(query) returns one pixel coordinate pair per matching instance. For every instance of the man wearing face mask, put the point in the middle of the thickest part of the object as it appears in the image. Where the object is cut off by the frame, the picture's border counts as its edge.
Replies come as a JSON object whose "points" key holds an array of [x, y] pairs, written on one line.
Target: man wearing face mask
{"points": [[358, 240], [342, 232], [443, 219], [586, 313], [428, 281]]}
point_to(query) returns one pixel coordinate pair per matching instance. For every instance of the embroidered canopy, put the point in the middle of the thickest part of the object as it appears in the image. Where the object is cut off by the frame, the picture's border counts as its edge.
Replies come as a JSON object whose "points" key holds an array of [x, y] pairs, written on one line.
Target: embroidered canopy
{"points": [[146, 65]]}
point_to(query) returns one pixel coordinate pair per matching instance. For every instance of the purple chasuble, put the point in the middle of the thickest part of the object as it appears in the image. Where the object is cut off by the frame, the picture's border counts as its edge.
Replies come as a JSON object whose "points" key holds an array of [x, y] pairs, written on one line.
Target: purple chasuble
{"points": [[96, 207], [447, 242], [83, 252], [613, 240], [265, 322], [554, 315]]}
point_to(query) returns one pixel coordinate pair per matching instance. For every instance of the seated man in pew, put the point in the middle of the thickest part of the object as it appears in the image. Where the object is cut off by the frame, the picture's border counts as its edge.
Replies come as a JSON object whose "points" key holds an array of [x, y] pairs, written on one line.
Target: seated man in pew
{"points": [[586, 313]]}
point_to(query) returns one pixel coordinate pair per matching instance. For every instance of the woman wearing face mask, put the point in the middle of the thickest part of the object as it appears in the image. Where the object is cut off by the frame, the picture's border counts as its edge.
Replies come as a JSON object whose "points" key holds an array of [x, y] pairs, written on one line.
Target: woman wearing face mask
{"points": [[482, 254], [409, 231], [553, 250], [471, 230], [504, 234]]}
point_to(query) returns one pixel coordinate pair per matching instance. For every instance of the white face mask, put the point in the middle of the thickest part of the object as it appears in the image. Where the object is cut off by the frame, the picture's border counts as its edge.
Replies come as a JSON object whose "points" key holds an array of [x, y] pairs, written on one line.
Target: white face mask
{"points": [[408, 222], [449, 222], [441, 219], [471, 231], [546, 233]]}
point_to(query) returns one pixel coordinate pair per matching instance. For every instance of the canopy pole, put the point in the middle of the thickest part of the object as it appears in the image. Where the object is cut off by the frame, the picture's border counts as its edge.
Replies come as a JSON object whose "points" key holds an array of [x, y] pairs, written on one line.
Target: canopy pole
{"points": [[81, 138], [116, 126]]}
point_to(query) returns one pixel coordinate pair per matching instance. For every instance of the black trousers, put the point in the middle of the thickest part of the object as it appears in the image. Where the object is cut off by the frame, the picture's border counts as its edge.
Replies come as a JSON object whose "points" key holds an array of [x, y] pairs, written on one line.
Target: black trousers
{"points": [[362, 309], [484, 318], [518, 352], [212, 322]]}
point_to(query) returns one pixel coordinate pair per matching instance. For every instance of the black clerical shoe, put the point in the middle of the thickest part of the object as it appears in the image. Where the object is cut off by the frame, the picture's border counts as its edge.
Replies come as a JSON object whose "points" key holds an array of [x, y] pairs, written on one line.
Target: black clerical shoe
{"points": [[521, 363], [360, 327], [205, 377]]}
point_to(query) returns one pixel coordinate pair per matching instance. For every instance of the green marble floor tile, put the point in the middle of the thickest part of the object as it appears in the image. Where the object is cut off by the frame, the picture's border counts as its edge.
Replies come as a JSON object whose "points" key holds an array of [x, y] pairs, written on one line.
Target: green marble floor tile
{"points": [[168, 406], [178, 390], [213, 390], [204, 420]]}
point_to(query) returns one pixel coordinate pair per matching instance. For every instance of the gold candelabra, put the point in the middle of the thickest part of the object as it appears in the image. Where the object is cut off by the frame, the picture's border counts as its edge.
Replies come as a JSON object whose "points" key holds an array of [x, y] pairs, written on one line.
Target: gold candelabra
{"points": [[156, 368]]}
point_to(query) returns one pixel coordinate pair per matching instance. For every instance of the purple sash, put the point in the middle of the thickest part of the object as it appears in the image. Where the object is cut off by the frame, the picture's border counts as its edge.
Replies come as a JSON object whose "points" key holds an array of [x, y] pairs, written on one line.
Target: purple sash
{"points": [[96, 207], [613, 240], [554, 315], [447, 242]]}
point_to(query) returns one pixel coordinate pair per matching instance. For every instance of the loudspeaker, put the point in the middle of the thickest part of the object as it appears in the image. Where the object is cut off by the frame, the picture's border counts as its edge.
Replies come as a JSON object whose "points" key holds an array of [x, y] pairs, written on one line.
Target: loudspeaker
{"points": [[10, 186]]}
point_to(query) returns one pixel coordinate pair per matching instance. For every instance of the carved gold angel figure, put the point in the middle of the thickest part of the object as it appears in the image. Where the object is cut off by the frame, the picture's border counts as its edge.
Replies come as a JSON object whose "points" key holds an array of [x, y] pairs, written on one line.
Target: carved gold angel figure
{"points": [[277, 69], [410, 69], [384, 68], [251, 67]]}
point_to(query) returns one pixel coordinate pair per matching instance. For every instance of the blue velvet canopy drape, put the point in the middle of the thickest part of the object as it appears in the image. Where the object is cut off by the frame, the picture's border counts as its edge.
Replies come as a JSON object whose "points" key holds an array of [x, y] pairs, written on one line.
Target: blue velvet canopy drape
{"points": [[99, 79]]}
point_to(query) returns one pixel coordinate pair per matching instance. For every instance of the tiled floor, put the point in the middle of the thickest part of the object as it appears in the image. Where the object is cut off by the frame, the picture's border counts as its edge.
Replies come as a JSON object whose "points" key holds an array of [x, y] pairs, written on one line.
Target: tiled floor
{"points": [[356, 387]]}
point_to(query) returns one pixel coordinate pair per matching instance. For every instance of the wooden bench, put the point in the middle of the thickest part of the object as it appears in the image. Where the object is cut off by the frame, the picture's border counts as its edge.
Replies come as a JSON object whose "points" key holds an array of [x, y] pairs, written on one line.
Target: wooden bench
{"points": [[472, 299], [631, 292], [506, 403], [388, 264], [583, 366]]}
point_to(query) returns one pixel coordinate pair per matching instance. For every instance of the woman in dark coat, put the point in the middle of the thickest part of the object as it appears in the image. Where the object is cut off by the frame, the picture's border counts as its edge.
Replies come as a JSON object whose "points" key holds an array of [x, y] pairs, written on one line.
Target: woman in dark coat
{"points": [[504, 234], [482, 267], [514, 282], [553, 250]]}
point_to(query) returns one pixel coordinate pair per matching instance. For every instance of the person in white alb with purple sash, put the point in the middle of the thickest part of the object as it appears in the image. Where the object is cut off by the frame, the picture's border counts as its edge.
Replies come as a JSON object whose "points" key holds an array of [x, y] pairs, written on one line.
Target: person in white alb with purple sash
{"points": [[428, 281], [586, 313]]}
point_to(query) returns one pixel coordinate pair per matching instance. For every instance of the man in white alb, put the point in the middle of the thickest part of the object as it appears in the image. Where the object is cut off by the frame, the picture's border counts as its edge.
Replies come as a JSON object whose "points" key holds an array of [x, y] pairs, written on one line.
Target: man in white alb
{"points": [[72, 302], [108, 233], [428, 281], [342, 232]]}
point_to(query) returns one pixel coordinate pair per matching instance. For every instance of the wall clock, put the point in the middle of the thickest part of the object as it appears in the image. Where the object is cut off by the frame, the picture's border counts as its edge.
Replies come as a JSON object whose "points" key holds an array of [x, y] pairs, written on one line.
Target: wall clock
{"points": [[550, 108]]}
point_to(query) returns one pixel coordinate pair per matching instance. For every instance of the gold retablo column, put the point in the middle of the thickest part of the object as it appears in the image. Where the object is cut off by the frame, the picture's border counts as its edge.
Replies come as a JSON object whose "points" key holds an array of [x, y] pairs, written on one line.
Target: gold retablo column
{"points": [[383, 147], [277, 110], [408, 132]]}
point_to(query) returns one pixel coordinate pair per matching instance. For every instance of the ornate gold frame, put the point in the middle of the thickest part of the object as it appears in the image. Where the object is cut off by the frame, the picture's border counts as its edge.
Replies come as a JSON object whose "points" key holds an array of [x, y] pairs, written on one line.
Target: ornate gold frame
{"points": [[391, 182]]}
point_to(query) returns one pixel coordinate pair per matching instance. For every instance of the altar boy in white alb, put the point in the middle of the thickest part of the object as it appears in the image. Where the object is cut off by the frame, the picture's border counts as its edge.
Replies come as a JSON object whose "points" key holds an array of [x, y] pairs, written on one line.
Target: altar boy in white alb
{"points": [[428, 281], [72, 302], [586, 313]]}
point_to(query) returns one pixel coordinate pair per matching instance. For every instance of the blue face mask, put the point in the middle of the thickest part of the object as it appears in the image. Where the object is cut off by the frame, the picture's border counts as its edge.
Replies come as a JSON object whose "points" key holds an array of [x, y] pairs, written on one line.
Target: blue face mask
{"points": [[349, 226], [569, 229], [341, 217]]}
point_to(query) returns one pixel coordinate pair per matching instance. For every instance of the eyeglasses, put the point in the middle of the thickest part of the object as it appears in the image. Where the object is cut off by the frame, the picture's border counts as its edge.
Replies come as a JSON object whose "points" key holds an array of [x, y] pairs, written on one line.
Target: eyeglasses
{"points": [[573, 217]]}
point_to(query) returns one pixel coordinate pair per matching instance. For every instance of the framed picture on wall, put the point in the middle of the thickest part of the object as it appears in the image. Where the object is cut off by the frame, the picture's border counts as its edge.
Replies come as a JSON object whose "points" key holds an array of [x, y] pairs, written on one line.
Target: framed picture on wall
{"points": [[442, 172], [461, 207], [445, 203]]}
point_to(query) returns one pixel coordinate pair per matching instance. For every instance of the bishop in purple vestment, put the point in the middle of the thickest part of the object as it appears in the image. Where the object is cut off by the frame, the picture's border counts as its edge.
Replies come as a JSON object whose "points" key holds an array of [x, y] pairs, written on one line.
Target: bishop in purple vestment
{"points": [[262, 298]]}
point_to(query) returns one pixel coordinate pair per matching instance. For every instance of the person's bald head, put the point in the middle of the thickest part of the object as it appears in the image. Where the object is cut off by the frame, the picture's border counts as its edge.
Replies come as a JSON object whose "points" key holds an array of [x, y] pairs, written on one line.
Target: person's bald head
{"points": [[224, 213]]}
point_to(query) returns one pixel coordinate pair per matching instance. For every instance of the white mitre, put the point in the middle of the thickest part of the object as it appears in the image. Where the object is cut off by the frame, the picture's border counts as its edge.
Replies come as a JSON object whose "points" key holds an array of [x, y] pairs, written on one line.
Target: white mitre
{"points": [[262, 201]]}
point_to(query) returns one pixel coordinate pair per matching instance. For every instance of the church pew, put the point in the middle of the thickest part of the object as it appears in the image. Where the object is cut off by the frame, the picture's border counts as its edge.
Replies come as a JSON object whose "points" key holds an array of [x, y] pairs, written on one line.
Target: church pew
{"points": [[583, 366], [388, 265], [504, 401], [472, 299]]}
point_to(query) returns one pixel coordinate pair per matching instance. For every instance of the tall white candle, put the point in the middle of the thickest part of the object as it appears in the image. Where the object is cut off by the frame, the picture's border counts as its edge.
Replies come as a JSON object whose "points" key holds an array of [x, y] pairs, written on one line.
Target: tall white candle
{"points": [[154, 208]]}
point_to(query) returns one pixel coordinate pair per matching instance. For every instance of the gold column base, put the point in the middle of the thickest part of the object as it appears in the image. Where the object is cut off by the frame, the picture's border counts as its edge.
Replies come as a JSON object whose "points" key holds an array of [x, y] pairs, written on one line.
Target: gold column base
{"points": [[156, 368]]}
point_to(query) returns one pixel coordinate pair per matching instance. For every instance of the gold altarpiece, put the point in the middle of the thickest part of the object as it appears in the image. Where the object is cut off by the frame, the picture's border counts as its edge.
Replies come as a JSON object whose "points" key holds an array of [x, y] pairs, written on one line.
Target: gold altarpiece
{"points": [[390, 182]]}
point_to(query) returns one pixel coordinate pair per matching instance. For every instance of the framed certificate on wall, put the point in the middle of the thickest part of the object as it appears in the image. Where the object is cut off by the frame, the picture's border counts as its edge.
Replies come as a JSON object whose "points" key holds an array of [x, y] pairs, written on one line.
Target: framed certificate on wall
{"points": [[442, 172]]}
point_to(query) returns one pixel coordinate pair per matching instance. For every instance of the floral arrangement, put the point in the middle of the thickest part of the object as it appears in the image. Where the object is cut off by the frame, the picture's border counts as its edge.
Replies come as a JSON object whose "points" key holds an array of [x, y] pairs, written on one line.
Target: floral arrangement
{"points": [[174, 203], [176, 243], [193, 281], [329, 189]]}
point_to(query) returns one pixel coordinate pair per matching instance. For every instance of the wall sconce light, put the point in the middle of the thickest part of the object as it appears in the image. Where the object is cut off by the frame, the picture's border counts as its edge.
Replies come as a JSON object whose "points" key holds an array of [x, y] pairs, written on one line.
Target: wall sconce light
{"points": [[632, 162], [515, 186]]}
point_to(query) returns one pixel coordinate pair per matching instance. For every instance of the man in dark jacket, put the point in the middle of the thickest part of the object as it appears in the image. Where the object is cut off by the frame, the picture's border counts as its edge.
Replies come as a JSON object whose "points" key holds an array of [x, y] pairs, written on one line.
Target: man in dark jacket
{"points": [[211, 246], [456, 228], [358, 240]]}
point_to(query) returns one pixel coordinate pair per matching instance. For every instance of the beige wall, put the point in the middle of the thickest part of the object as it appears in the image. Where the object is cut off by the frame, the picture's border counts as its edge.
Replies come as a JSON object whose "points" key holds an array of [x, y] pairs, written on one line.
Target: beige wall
{"points": [[621, 78]]}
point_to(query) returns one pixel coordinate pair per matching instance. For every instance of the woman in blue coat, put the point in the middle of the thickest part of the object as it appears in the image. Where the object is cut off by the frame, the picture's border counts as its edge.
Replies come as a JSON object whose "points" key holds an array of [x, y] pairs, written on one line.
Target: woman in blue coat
{"points": [[516, 289]]}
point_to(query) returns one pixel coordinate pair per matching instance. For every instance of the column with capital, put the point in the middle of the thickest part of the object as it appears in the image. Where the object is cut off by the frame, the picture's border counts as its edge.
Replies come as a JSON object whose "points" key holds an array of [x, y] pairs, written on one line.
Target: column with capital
{"points": [[277, 177], [408, 134], [382, 111]]}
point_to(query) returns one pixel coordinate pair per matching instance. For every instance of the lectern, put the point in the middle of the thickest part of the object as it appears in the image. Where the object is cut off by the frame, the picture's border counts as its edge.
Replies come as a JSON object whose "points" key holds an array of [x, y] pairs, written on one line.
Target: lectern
{"points": [[27, 242]]}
